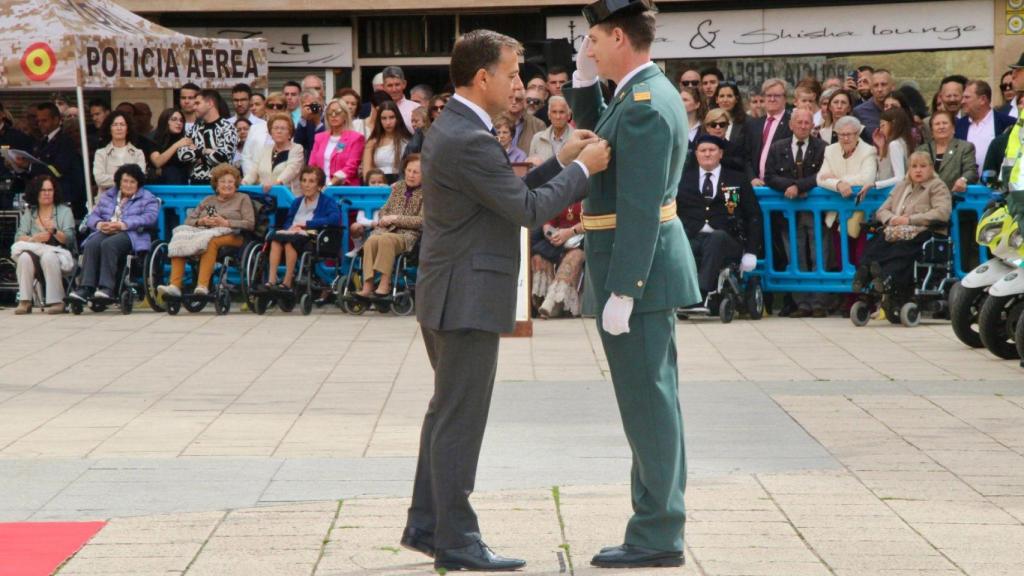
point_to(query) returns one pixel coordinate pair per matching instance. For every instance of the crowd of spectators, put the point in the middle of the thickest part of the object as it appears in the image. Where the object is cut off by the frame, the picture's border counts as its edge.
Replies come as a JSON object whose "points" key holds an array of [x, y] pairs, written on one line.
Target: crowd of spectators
{"points": [[846, 134]]}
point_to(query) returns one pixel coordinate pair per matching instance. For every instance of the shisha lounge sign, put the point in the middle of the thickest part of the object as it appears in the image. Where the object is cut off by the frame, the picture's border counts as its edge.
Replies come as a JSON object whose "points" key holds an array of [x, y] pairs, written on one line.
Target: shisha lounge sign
{"points": [[817, 30]]}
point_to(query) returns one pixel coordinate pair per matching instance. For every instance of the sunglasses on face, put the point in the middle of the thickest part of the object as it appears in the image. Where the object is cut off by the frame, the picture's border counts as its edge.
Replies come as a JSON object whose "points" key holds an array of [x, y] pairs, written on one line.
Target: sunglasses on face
{"points": [[717, 124], [335, 113], [275, 106], [690, 83], [437, 108], [1006, 87], [533, 101]]}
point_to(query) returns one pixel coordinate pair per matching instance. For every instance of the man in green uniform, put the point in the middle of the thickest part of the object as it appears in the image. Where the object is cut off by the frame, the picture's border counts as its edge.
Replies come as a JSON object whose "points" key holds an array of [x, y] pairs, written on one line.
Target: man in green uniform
{"points": [[639, 263]]}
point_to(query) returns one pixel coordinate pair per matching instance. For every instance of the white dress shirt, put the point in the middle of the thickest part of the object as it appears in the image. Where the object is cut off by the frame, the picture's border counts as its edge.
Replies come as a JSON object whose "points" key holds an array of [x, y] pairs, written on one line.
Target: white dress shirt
{"points": [[981, 135], [768, 141], [715, 175]]}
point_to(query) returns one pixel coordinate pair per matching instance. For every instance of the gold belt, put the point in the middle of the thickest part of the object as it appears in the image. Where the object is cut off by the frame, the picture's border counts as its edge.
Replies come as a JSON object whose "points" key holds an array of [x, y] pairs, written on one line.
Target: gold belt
{"points": [[607, 221]]}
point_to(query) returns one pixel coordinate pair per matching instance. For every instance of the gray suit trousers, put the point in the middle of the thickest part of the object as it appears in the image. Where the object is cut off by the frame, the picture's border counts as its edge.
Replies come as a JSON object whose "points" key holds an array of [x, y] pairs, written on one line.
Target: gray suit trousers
{"points": [[465, 363]]}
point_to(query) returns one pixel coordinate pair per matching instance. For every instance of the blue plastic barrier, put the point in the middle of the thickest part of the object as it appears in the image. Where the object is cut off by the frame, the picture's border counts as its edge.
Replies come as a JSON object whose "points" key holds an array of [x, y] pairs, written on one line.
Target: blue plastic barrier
{"points": [[820, 201]]}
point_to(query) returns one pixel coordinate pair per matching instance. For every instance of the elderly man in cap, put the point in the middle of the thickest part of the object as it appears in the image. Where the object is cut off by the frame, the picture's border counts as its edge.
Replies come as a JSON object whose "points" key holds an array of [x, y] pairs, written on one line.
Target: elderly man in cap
{"points": [[720, 213], [639, 264]]}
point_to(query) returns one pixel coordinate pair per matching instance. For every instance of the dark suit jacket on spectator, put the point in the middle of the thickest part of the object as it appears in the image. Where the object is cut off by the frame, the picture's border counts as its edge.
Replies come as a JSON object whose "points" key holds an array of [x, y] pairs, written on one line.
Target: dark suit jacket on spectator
{"points": [[695, 210], [999, 120], [60, 153], [780, 170], [306, 135], [754, 128]]}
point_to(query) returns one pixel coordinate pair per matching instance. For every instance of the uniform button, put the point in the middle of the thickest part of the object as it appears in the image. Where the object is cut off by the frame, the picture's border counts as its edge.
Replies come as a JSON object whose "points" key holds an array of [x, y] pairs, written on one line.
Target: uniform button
{"points": [[639, 283]]}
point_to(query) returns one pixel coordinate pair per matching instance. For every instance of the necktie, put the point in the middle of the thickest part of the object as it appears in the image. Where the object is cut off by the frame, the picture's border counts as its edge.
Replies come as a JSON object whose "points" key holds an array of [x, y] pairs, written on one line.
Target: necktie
{"points": [[493, 132], [708, 189], [767, 130], [799, 159]]}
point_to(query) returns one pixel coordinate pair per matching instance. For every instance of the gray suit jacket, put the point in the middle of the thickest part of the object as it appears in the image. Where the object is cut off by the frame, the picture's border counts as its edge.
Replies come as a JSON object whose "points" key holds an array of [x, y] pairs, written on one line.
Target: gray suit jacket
{"points": [[959, 160], [473, 209]]}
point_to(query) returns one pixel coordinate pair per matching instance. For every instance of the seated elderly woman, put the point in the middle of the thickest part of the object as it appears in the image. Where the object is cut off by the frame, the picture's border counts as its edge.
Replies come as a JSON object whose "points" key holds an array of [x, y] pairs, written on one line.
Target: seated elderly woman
{"points": [[918, 203], [119, 224], [279, 163], [308, 212], [397, 229], [557, 263], [46, 231], [216, 223]]}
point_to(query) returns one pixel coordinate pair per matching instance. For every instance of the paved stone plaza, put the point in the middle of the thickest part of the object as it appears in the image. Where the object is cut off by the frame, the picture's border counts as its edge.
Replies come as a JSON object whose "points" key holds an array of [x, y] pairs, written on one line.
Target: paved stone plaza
{"points": [[280, 445]]}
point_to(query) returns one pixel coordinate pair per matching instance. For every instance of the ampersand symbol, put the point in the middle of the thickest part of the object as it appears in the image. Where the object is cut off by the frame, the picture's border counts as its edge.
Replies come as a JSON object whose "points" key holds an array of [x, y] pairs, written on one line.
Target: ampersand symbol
{"points": [[699, 41]]}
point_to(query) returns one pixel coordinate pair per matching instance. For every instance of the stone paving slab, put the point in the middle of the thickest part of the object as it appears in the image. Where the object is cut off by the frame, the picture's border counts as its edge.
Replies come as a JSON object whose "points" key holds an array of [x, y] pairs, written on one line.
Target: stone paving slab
{"points": [[285, 445]]}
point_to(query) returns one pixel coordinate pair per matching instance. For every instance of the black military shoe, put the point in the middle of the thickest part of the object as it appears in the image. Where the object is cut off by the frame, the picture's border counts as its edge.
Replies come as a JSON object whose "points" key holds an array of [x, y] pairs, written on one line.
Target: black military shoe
{"points": [[476, 556], [629, 556], [418, 541]]}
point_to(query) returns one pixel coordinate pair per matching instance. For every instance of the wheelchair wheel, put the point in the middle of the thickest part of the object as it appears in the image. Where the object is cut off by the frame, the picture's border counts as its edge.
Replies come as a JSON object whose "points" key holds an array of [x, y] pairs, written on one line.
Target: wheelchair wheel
{"points": [[1019, 339], [195, 306], [222, 302], [286, 303], [382, 307], [306, 304], [997, 324], [127, 301], [403, 304], [260, 305], [155, 275], [727, 308], [76, 308], [253, 271], [964, 307], [860, 313], [353, 307], [910, 315], [174, 307], [754, 299], [97, 307]]}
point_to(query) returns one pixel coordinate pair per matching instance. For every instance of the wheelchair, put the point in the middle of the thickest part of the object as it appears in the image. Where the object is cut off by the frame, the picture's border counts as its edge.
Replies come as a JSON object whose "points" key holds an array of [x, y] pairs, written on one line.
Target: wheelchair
{"points": [[130, 288], [229, 275], [401, 301], [321, 257], [934, 277], [737, 292]]}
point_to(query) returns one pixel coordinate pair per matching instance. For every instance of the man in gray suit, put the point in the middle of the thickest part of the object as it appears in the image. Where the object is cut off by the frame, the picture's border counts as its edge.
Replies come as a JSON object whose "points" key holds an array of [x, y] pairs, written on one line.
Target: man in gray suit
{"points": [[473, 209]]}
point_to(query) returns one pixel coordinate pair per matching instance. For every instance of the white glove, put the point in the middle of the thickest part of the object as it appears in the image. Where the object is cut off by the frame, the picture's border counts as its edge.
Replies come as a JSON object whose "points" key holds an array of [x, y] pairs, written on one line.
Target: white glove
{"points": [[615, 318], [586, 67], [748, 263]]}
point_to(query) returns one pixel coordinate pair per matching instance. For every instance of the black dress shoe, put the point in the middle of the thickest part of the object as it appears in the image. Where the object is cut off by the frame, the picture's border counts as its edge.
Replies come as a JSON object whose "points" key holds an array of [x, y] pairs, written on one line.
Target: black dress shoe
{"points": [[629, 556], [476, 556], [418, 541]]}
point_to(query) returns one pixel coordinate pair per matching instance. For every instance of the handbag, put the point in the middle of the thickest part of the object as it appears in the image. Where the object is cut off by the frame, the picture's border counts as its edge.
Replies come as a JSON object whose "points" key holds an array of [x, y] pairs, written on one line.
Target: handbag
{"points": [[903, 232]]}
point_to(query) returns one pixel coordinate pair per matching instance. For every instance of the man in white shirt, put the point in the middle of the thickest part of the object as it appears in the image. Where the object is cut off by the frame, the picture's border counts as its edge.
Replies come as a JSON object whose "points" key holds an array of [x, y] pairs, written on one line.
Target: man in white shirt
{"points": [[980, 123], [394, 85]]}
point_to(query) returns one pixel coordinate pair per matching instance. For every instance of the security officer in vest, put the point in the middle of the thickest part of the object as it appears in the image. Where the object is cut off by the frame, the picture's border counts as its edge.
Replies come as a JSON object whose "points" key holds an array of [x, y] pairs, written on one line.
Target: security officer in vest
{"points": [[720, 213], [639, 264], [1006, 152]]}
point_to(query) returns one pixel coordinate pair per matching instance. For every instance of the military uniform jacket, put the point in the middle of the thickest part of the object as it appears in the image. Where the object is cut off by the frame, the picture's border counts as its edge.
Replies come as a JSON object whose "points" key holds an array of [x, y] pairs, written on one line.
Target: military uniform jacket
{"points": [[735, 195], [646, 126]]}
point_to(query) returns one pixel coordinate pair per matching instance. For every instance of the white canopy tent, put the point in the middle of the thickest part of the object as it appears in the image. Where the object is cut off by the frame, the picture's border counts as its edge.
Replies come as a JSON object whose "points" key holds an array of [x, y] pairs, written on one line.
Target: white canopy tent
{"points": [[83, 44]]}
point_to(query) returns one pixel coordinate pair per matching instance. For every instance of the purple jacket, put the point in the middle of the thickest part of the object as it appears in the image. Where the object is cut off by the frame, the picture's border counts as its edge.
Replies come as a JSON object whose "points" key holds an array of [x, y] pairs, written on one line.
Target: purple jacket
{"points": [[139, 214]]}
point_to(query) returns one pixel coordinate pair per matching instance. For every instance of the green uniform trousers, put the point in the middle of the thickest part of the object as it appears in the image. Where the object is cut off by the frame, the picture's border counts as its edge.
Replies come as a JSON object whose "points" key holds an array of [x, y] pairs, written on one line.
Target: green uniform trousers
{"points": [[645, 376]]}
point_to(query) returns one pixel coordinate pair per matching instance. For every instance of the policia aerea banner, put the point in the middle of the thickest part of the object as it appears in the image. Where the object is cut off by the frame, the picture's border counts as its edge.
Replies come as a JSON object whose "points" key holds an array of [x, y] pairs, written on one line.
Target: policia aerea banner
{"points": [[60, 44]]}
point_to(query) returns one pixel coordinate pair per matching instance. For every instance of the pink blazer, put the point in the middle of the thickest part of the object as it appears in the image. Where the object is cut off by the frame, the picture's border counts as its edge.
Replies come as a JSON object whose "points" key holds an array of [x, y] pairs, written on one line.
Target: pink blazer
{"points": [[346, 156]]}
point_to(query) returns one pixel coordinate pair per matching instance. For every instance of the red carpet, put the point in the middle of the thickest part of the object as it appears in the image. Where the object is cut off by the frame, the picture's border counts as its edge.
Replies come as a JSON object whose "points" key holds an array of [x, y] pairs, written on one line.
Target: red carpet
{"points": [[38, 548]]}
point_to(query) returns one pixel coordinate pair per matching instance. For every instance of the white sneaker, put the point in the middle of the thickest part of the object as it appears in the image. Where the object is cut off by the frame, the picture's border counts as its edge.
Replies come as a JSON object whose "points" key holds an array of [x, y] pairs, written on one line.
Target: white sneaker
{"points": [[169, 290], [101, 295], [201, 290]]}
